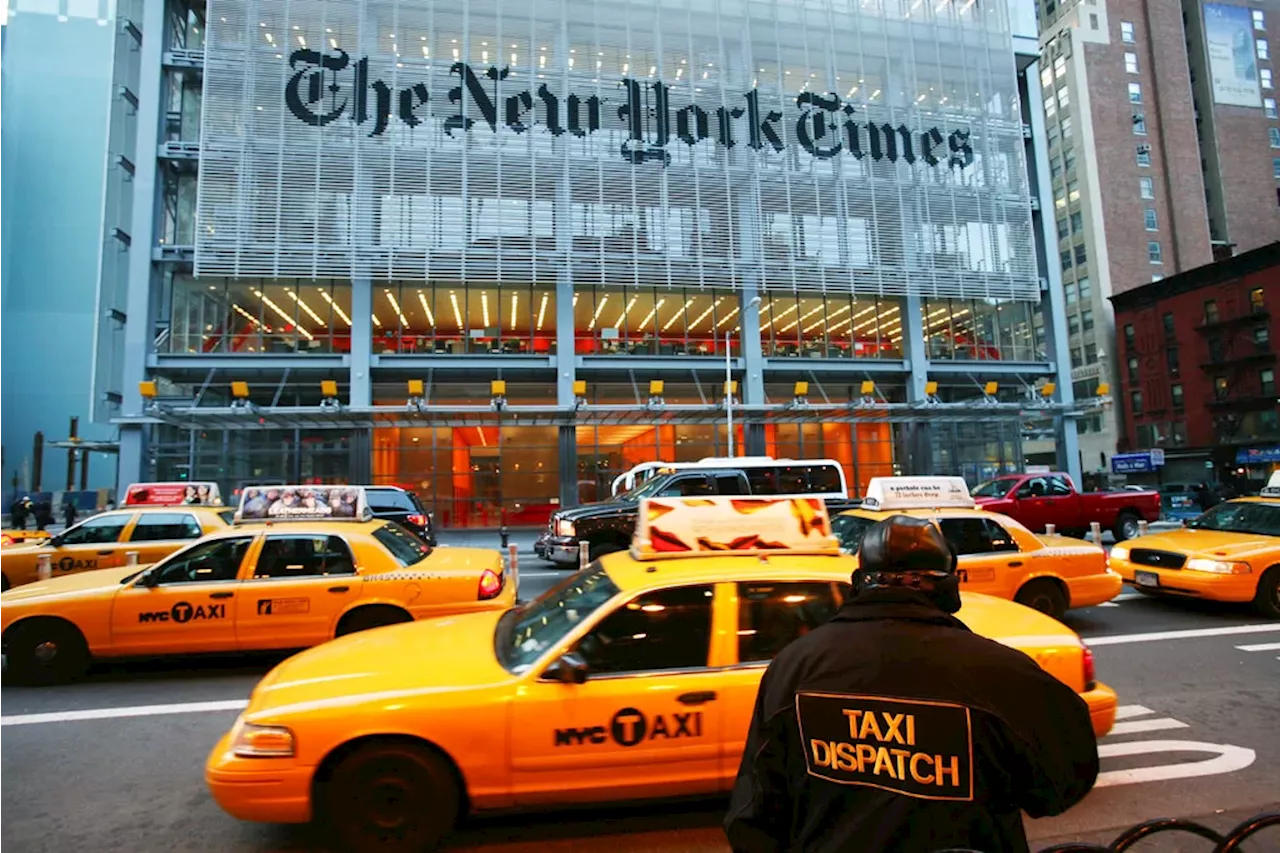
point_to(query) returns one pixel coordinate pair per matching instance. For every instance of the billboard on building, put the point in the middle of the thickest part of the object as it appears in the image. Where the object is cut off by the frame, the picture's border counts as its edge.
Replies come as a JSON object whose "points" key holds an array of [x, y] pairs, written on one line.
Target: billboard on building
{"points": [[1233, 61], [828, 145]]}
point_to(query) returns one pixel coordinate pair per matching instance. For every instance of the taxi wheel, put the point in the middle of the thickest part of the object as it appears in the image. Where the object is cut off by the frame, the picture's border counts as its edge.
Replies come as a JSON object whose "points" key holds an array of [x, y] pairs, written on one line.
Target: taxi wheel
{"points": [[1267, 599], [370, 617], [46, 651], [1043, 595], [4, 583], [393, 797]]}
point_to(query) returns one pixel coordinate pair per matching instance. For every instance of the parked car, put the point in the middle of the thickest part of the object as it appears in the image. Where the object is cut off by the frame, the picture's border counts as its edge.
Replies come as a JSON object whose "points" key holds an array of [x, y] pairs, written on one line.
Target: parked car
{"points": [[1037, 500], [607, 526], [393, 503]]}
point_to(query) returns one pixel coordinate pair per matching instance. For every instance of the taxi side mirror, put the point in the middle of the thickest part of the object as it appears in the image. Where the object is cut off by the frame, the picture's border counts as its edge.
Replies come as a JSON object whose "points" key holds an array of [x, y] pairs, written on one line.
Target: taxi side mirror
{"points": [[149, 579], [569, 668], [55, 541]]}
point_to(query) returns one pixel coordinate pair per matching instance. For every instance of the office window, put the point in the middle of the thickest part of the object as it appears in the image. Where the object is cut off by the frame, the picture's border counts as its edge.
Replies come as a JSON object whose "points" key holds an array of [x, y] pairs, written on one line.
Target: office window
{"points": [[1077, 360], [1267, 379], [1135, 400], [1066, 129], [1259, 21], [1149, 217], [1131, 62], [1060, 199], [1070, 291], [1264, 75], [1261, 337], [1086, 319], [1269, 107], [1082, 254], [1139, 124], [1172, 361], [1133, 368], [1069, 162], [1144, 155], [1154, 253], [1221, 388], [1066, 260], [1086, 289], [1210, 312], [1169, 330], [1126, 32], [1135, 93], [1055, 169], [1273, 133], [1179, 402], [1264, 50], [1275, 168], [1157, 276], [1064, 98], [1147, 187], [1046, 77], [1050, 107], [1093, 20], [1077, 222], [1130, 336], [1060, 67], [1063, 230], [1073, 191], [1073, 324], [1256, 299]]}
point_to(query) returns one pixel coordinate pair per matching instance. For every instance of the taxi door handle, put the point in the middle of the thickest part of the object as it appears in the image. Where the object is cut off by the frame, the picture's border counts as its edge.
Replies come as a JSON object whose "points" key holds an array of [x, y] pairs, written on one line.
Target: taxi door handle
{"points": [[105, 553], [696, 698], [339, 588], [1015, 564], [221, 594]]}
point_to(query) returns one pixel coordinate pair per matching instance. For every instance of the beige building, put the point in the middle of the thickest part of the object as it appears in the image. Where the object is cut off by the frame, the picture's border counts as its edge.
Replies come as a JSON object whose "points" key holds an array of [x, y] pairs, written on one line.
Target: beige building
{"points": [[1164, 154]]}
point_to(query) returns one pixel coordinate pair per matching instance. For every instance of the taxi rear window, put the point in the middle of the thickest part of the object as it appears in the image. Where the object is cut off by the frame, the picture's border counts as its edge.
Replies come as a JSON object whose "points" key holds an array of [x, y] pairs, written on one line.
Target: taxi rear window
{"points": [[849, 529], [227, 516], [403, 545]]}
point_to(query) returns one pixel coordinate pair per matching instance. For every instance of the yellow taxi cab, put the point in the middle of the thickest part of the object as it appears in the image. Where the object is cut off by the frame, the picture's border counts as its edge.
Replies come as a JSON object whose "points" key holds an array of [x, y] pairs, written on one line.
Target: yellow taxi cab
{"points": [[633, 678], [155, 520], [313, 565], [1230, 553], [17, 537], [997, 555]]}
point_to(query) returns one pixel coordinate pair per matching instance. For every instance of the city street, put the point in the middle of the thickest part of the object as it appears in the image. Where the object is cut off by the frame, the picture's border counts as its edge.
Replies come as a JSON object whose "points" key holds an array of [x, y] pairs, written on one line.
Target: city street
{"points": [[1198, 685]]}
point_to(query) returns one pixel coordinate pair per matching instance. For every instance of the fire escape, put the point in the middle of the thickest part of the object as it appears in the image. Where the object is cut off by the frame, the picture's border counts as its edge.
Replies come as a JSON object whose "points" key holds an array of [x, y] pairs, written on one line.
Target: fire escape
{"points": [[1239, 348]]}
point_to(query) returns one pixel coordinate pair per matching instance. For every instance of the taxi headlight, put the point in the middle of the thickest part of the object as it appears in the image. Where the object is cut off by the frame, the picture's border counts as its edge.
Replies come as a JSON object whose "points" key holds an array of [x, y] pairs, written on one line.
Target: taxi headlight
{"points": [[1218, 567], [1119, 552], [254, 741], [564, 527]]}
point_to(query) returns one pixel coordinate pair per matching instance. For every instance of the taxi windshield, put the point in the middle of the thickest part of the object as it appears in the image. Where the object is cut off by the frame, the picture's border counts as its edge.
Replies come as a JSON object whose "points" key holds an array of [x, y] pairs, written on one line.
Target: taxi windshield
{"points": [[1258, 519], [996, 488], [849, 530], [525, 633]]}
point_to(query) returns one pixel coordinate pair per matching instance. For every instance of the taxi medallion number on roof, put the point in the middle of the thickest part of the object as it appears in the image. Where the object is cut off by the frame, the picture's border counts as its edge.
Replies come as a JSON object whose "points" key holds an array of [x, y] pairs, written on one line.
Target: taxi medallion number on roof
{"points": [[1230, 553], [996, 554], [633, 678], [155, 520], [299, 565]]}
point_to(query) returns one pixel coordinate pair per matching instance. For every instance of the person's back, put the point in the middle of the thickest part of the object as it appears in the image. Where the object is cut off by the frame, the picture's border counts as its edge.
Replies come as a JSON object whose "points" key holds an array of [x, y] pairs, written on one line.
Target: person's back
{"points": [[895, 728]]}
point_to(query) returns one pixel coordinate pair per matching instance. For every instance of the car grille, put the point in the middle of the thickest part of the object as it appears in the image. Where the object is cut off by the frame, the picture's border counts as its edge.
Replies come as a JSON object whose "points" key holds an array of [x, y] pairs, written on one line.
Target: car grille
{"points": [[1162, 559]]}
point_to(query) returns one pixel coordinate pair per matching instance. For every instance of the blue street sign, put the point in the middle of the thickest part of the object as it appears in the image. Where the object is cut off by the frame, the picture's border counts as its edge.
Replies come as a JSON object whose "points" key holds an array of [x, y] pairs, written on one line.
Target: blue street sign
{"points": [[1134, 463], [1257, 455]]}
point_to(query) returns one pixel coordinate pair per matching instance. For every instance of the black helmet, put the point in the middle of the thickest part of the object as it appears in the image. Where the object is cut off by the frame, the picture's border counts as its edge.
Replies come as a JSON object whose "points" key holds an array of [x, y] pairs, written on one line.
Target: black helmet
{"points": [[902, 552]]}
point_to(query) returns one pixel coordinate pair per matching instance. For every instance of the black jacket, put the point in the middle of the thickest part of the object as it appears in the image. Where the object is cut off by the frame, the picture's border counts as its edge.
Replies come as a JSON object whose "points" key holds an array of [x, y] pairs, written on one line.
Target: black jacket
{"points": [[964, 734]]}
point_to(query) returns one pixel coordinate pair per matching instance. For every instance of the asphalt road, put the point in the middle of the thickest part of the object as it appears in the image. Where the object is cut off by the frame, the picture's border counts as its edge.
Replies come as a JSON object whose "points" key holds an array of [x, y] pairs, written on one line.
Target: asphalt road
{"points": [[1199, 738]]}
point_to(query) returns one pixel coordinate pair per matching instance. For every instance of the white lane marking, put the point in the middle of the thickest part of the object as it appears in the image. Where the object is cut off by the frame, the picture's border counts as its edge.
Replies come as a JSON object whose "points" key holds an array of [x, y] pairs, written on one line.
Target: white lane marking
{"points": [[1156, 725], [1260, 647], [1179, 635], [134, 711], [563, 574], [1108, 604], [1128, 596], [1124, 712], [1227, 759]]}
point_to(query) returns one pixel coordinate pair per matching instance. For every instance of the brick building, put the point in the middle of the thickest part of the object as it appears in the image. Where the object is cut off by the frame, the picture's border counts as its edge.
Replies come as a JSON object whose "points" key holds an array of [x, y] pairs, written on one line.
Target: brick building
{"points": [[1161, 161], [1198, 369]]}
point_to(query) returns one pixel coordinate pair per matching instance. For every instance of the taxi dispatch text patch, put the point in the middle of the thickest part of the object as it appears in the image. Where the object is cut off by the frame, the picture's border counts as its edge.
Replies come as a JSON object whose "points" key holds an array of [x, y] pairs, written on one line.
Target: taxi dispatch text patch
{"points": [[920, 749]]}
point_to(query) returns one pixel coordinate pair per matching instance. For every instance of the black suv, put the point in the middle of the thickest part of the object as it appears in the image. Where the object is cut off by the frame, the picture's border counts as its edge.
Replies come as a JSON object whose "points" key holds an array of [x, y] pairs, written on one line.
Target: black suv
{"points": [[608, 526], [393, 503]]}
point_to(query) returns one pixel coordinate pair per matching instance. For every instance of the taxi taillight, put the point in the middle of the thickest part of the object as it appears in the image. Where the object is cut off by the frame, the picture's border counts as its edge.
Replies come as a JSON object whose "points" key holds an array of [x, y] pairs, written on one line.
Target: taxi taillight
{"points": [[1090, 677], [490, 585], [417, 520]]}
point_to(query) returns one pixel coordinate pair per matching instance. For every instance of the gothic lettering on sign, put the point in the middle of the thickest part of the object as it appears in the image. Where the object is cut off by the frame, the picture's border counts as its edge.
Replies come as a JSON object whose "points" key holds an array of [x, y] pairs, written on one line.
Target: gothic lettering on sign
{"points": [[326, 87]]}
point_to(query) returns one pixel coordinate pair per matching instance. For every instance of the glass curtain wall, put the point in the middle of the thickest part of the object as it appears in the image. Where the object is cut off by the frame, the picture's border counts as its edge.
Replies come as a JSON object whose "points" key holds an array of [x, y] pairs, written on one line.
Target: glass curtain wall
{"points": [[258, 316], [983, 329], [831, 326]]}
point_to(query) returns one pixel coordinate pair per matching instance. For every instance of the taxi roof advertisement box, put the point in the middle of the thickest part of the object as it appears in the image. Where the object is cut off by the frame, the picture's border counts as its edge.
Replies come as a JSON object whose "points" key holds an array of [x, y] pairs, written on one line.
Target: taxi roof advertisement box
{"points": [[173, 494], [889, 493], [303, 503], [700, 527]]}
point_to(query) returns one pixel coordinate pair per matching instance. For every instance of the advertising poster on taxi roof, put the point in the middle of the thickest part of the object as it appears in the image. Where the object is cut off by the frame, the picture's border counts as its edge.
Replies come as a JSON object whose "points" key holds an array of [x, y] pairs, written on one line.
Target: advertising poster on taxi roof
{"points": [[265, 503], [696, 527], [173, 494]]}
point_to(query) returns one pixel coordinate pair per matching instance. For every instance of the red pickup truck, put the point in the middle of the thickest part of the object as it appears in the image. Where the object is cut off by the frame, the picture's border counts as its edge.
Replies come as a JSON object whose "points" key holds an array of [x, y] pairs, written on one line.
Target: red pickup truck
{"points": [[1040, 499]]}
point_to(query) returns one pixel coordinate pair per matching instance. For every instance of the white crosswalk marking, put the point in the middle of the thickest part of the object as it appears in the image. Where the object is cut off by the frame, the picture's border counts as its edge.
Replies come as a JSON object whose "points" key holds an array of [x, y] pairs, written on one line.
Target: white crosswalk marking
{"points": [[1260, 647], [1156, 725], [1125, 712], [1217, 758]]}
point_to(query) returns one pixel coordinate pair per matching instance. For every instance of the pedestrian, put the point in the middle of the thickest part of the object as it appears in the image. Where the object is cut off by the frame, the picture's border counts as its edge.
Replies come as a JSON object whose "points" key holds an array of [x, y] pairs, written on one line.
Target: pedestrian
{"points": [[18, 513], [68, 512], [893, 727], [44, 514], [1204, 498]]}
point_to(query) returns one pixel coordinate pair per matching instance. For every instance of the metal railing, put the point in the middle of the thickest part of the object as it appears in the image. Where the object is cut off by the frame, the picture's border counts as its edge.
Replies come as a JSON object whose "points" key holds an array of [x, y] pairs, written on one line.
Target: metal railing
{"points": [[1229, 842]]}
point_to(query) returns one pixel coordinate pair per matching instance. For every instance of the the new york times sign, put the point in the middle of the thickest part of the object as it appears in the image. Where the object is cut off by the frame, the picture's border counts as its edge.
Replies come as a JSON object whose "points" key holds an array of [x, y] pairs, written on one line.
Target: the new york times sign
{"points": [[328, 87]]}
